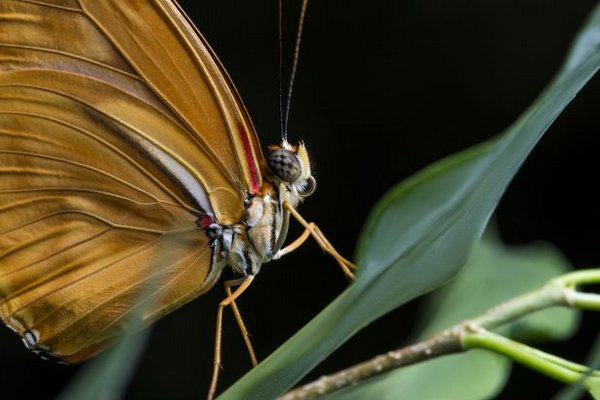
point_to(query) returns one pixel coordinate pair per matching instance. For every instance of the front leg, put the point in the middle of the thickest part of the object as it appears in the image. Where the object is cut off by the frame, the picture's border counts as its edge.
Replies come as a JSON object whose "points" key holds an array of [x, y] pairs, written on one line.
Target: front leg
{"points": [[311, 229]]}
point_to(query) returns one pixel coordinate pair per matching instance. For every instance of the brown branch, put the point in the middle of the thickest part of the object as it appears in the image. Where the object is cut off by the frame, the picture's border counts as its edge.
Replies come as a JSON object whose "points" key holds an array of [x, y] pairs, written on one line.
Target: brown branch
{"points": [[446, 342]]}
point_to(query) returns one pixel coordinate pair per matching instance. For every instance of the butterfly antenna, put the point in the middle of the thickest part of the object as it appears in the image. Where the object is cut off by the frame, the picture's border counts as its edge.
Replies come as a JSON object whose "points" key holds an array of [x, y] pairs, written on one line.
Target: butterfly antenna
{"points": [[296, 55], [280, 72]]}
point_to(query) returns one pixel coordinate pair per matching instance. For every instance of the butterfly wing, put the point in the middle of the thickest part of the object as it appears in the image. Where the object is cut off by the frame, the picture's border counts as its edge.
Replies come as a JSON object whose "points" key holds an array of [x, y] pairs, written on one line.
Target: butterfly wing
{"points": [[163, 46], [117, 140]]}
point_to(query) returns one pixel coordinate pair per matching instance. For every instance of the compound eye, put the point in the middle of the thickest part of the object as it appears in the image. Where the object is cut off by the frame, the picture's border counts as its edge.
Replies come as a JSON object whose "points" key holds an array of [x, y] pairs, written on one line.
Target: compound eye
{"points": [[285, 165], [311, 186]]}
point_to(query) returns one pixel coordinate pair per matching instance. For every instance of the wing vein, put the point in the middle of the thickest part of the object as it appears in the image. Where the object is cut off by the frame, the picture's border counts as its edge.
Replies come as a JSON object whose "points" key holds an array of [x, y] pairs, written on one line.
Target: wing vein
{"points": [[115, 150], [69, 55], [48, 5], [78, 165], [123, 123], [155, 89], [141, 301], [53, 254]]}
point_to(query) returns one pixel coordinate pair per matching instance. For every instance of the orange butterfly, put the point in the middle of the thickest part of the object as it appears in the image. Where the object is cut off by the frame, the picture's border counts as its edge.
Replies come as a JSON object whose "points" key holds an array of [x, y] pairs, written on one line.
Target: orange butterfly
{"points": [[130, 172]]}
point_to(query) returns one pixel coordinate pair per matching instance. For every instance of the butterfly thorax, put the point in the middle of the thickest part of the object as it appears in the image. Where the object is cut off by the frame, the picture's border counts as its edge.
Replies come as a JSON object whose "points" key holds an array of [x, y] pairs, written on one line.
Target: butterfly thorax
{"points": [[246, 245]]}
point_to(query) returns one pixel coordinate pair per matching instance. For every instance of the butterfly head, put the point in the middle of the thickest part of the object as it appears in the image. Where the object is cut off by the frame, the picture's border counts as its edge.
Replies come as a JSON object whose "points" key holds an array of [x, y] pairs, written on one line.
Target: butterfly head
{"points": [[291, 166]]}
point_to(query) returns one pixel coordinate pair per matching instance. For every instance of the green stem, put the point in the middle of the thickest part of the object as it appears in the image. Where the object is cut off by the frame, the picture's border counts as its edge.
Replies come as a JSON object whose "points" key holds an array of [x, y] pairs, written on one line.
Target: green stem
{"points": [[567, 364], [547, 364], [581, 277], [560, 291], [586, 301]]}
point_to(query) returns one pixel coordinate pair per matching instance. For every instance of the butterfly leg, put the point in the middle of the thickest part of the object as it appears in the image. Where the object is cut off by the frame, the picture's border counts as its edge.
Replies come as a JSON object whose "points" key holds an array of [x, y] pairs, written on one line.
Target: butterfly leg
{"points": [[311, 229], [230, 300], [242, 326]]}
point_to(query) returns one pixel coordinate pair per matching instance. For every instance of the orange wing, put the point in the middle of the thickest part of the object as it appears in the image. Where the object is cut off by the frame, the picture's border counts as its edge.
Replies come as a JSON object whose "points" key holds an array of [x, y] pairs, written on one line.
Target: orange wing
{"points": [[119, 135]]}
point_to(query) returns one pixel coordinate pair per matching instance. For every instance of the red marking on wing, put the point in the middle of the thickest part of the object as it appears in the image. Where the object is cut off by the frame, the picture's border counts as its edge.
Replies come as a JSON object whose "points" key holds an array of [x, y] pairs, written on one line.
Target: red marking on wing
{"points": [[250, 161], [204, 222]]}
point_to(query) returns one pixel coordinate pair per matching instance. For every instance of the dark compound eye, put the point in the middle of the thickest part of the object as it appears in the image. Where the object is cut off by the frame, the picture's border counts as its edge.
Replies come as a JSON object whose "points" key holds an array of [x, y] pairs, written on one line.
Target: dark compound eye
{"points": [[285, 165]]}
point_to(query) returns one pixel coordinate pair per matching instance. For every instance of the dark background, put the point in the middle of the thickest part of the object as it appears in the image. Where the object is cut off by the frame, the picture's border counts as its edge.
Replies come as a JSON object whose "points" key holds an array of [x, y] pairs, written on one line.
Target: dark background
{"points": [[383, 89]]}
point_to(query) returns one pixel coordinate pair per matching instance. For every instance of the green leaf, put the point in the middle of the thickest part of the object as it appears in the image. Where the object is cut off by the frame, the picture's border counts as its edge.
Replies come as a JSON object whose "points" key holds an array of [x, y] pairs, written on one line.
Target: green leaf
{"points": [[445, 378], [107, 377], [573, 392], [420, 233], [493, 274], [594, 388]]}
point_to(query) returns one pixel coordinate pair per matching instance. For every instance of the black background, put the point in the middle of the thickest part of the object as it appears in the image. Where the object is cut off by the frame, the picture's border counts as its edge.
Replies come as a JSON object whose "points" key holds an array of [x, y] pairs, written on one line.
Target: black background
{"points": [[383, 89]]}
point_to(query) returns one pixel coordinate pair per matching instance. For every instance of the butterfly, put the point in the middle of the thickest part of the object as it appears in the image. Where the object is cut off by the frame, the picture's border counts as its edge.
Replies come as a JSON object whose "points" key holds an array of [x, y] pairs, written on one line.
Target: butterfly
{"points": [[130, 173]]}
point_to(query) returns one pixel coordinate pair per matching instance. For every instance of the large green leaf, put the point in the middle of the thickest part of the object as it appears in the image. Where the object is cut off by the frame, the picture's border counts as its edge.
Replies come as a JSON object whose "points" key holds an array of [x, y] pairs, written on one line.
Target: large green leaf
{"points": [[421, 232], [493, 274]]}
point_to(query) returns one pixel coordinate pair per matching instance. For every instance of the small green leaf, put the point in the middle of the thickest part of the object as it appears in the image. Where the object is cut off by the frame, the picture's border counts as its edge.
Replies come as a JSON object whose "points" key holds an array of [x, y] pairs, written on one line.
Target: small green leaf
{"points": [[573, 392], [107, 377]]}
